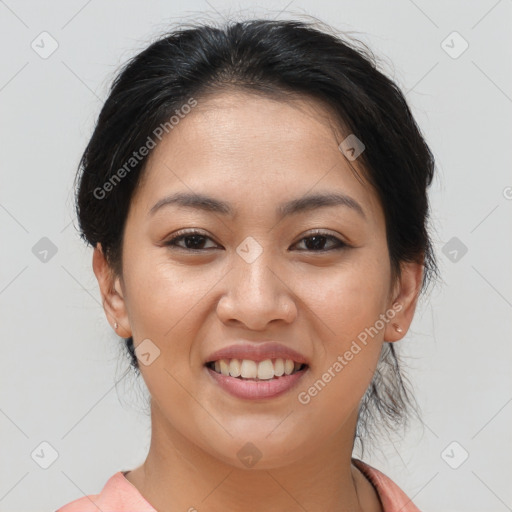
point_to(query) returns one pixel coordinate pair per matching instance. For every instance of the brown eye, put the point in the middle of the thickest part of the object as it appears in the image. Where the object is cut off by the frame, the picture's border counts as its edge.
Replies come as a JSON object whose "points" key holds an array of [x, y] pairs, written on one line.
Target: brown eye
{"points": [[193, 241], [317, 242]]}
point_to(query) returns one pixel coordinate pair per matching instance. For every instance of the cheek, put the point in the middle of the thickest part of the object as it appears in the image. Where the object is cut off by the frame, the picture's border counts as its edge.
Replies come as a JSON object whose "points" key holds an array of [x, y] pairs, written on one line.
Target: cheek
{"points": [[163, 295], [348, 298], [348, 304]]}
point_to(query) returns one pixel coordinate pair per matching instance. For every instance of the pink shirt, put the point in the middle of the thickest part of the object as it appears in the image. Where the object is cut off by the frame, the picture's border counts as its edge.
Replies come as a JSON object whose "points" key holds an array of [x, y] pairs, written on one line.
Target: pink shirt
{"points": [[120, 495]]}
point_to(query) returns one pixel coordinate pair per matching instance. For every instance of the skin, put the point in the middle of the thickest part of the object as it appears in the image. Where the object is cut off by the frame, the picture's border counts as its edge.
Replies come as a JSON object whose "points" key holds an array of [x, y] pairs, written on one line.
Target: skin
{"points": [[255, 153]]}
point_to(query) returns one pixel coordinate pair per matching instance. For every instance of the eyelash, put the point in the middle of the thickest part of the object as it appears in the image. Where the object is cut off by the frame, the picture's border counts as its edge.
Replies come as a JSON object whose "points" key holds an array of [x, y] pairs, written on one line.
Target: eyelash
{"points": [[172, 243]]}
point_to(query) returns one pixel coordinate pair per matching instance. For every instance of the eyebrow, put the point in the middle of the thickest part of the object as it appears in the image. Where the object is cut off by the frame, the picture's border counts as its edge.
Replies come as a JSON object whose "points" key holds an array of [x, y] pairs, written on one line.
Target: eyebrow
{"points": [[293, 207]]}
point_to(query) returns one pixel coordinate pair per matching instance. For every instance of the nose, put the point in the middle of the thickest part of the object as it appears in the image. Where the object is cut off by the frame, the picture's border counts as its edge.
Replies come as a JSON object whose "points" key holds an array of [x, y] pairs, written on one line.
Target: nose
{"points": [[256, 294]]}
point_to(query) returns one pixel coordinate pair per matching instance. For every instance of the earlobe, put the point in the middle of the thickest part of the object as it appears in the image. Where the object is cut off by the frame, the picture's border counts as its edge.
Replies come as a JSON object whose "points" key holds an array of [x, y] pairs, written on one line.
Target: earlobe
{"points": [[397, 327], [404, 300], [111, 294]]}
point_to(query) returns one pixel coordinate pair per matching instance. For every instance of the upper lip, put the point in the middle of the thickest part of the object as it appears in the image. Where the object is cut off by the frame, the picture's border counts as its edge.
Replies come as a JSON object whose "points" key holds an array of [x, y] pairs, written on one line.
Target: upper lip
{"points": [[257, 352]]}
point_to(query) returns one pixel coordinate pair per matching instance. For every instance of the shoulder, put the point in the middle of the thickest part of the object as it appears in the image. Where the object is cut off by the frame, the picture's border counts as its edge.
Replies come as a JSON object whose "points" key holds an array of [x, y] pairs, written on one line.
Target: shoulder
{"points": [[118, 494], [391, 496]]}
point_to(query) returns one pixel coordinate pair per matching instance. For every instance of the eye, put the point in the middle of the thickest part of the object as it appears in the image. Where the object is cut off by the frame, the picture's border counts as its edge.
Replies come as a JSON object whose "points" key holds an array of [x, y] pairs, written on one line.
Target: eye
{"points": [[316, 242], [193, 240]]}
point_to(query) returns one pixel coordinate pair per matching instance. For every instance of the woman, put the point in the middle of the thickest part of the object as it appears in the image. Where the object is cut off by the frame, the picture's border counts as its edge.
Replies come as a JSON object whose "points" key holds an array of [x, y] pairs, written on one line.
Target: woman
{"points": [[256, 196]]}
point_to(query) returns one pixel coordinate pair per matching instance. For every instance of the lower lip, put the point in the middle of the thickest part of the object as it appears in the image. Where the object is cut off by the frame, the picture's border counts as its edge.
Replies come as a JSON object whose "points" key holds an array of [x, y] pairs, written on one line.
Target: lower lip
{"points": [[253, 389]]}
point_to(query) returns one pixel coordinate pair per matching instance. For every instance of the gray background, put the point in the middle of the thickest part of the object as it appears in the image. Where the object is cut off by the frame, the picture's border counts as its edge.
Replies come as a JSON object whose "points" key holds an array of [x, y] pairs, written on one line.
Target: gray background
{"points": [[63, 377]]}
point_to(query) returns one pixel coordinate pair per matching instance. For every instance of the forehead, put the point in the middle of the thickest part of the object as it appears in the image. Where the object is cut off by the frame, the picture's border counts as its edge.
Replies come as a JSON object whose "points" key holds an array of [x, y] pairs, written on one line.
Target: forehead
{"points": [[251, 147], [235, 121]]}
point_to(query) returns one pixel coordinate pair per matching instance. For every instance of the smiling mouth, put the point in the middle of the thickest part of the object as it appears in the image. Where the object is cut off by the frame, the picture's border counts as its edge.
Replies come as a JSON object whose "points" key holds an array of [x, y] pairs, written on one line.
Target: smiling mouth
{"points": [[246, 369]]}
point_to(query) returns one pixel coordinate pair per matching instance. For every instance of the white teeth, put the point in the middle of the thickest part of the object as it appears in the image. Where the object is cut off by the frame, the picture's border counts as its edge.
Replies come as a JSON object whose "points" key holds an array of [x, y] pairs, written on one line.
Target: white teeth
{"points": [[249, 369], [266, 369], [234, 368], [262, 370], [279, 367]]}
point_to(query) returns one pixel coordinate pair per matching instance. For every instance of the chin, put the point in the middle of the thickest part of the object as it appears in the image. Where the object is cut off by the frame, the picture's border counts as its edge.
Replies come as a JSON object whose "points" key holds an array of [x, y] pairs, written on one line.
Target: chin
{"points": [[260, 451]]}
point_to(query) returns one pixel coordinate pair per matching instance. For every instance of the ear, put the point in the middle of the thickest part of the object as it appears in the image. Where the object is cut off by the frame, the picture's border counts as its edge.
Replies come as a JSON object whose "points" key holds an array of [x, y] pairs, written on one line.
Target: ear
{"points": [[404, 299], [111, 293]]}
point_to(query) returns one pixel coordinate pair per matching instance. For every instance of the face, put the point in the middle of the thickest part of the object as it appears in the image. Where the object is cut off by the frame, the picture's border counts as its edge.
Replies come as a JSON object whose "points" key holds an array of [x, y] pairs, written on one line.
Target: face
{"points": [[260, 262]]}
